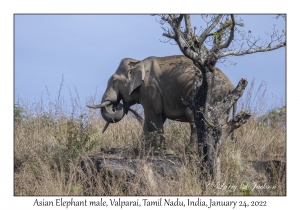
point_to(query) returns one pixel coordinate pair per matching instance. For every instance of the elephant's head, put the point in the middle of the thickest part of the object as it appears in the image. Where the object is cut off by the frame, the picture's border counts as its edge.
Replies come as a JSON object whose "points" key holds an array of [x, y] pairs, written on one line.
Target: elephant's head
{"points": [[121, 85]]}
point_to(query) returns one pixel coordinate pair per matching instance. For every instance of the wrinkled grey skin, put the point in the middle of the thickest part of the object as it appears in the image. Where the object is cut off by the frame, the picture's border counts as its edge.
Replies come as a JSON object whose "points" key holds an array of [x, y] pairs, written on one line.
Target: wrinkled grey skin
{"points": [[158, 83]]}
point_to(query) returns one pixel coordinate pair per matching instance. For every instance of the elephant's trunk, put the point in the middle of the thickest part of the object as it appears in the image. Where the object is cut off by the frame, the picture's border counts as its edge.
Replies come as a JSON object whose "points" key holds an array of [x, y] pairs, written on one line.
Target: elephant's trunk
{"points": [[109, 112], [113, 114]]}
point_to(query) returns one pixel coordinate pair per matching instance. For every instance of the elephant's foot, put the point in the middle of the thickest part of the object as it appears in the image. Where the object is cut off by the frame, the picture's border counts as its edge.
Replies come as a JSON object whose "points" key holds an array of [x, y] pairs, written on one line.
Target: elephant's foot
{"points": [[160, 144]]}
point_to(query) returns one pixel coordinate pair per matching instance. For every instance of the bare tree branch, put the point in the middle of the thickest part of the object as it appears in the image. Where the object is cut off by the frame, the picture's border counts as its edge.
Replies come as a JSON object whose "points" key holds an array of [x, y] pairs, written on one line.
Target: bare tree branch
{"points": [[250, 51], [226, 44], [205, 33], [169, 35], [187, 20], [281, 15], [179, 37], [179, 19], [240, 119], [231, 98]]}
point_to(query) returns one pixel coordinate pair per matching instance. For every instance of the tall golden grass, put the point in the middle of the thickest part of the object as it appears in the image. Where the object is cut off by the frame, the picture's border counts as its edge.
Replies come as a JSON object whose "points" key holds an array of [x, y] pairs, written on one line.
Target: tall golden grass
{"points": [[50, 145]]}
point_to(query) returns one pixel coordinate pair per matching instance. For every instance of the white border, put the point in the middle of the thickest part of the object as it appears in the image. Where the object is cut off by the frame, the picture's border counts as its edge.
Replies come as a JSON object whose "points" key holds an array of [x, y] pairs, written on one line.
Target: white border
{"points": [[9, 8]]}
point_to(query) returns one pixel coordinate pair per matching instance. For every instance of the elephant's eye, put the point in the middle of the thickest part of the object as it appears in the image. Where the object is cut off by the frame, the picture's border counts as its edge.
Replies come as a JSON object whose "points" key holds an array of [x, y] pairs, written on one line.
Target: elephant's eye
{"points": [[130, 71]]}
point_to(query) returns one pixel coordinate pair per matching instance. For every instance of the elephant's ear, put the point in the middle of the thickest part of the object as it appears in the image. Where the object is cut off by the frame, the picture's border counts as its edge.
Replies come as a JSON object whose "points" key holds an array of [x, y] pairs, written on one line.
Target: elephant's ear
{"points": [[136, 75]]}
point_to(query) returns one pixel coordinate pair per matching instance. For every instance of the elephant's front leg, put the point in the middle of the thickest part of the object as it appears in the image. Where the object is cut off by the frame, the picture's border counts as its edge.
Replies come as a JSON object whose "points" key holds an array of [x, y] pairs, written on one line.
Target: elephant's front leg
{"points": [[153, 130]]}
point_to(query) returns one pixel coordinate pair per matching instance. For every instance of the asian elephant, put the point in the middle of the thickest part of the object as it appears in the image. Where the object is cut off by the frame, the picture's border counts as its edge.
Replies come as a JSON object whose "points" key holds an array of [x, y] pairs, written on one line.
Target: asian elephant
{"points": [[157, 83]]}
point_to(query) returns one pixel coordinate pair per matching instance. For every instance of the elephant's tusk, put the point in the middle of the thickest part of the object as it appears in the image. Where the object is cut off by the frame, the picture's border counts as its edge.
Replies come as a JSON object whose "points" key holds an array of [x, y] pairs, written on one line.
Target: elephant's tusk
{"points": [[105, 127], [103, 104]]}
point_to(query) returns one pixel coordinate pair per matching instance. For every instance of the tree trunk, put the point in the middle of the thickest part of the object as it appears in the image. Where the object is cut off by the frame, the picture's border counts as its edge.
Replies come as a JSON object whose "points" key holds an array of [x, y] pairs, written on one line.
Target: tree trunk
{"points": [[212, 129]]}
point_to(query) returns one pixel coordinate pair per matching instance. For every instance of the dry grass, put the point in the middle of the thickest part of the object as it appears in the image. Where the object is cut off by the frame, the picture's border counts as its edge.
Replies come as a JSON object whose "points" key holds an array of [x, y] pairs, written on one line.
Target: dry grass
{"points": [[49, 147]]}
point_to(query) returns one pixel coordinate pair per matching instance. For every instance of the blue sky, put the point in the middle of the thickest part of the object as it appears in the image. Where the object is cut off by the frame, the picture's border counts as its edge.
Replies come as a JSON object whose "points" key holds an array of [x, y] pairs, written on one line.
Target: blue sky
{"points": [[87, 49]]}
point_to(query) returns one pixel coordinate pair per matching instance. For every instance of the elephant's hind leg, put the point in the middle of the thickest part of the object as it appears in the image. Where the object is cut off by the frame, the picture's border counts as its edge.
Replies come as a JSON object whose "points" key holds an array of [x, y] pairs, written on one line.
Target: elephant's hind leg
{"points": [[192, 147]]}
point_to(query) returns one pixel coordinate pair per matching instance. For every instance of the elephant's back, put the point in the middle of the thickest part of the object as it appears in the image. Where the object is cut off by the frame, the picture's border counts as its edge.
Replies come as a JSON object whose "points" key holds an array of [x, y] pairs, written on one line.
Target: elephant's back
{"points": [[176, 80], [222, 86]]}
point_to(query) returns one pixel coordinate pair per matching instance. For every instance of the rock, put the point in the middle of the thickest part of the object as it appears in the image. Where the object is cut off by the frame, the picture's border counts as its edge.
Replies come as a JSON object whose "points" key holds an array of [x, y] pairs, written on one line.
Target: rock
{"points": [[128, 167], [135, 172]]}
